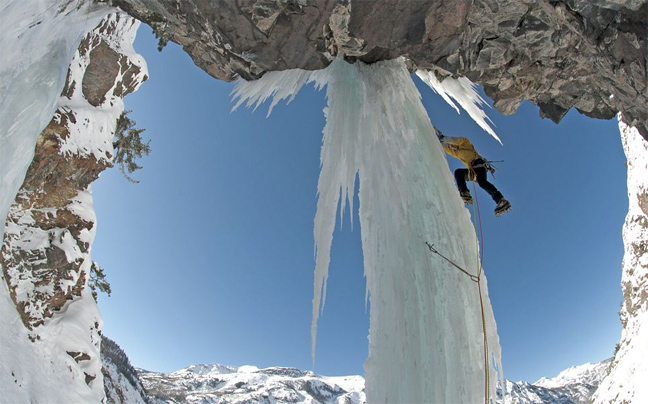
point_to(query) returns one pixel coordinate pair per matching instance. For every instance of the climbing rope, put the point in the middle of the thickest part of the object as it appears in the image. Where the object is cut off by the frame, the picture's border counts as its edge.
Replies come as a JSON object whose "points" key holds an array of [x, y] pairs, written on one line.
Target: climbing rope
{"points": [[486, 362], [477, 279], [480, 258]]}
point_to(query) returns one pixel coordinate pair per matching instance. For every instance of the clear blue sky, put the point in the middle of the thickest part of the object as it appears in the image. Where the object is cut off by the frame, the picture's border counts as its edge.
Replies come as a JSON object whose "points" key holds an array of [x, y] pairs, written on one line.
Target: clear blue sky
{"points": [[210, 257]]}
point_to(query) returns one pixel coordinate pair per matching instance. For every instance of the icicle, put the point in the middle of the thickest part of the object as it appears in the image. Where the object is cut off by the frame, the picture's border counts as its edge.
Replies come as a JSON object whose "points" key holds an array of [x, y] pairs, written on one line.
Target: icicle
{"points": [[339, 167], [464, 92], [426, 340], [278, 85]]}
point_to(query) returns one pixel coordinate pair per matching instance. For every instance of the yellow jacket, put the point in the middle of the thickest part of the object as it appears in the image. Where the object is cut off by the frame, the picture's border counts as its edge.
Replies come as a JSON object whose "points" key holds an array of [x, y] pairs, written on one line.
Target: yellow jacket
{"points": [[461, 148]]}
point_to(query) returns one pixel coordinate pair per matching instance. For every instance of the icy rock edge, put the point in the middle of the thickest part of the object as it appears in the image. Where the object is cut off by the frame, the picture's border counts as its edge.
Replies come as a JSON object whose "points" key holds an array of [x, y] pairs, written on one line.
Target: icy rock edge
{"points": [[50, 336], [626, 382], [425, 337]]}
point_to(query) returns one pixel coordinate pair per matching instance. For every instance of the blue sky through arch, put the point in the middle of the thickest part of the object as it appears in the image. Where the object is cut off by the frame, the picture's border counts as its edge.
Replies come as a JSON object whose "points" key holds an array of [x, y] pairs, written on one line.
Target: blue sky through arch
{"points": [[210, 257]]}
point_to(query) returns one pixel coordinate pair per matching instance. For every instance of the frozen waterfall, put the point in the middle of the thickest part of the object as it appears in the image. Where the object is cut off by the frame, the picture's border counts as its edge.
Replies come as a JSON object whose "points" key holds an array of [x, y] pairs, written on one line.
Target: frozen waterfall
{"points": [[426, 342]]}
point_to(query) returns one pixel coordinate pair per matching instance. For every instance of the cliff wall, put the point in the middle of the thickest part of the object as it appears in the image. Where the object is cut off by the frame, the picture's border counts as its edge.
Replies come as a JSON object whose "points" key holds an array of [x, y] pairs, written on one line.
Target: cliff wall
{"points": [[50, 227]]}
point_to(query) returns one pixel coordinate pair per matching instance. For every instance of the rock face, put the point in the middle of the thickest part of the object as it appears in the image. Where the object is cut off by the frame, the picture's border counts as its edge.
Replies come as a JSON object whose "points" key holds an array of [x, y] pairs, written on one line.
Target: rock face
{"points": [[559, 54], [45, 257], [50, 227], [626, 382]]}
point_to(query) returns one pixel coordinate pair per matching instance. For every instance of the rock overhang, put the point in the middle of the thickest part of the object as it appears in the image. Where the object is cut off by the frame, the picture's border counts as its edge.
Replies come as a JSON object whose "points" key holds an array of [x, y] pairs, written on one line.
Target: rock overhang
{"points": [[558, 54]]}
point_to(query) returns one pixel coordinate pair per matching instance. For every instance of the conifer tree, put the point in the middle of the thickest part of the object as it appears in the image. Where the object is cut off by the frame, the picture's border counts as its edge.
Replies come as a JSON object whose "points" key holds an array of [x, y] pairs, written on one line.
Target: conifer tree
{"points": [[97, 282], [129, 146]]}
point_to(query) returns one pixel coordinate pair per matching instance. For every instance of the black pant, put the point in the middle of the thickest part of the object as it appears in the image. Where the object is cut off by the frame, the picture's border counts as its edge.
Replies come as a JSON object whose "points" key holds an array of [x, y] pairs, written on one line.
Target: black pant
{"points": [[479, 171]]}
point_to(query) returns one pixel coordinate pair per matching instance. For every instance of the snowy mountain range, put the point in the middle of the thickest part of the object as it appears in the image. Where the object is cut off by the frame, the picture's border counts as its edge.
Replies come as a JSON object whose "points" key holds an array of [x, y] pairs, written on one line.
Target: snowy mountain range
{"points": [[216, 383], [248, 384], [575, 385]]}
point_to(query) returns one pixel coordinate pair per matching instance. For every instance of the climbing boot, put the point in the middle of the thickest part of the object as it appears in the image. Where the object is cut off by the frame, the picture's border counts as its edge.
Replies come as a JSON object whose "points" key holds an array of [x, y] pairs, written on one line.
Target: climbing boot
{"points": [[502, 207], [467, 198]]}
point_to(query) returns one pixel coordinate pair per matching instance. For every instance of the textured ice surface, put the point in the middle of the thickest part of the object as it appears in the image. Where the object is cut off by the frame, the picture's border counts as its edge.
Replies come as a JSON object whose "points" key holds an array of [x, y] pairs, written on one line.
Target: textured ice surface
{"points": [[426, 340]]}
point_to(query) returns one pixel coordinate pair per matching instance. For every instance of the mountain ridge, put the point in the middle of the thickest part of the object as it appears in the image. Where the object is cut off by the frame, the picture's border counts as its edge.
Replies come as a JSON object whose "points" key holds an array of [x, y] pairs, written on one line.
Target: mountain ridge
{"points": [[217, 383]]}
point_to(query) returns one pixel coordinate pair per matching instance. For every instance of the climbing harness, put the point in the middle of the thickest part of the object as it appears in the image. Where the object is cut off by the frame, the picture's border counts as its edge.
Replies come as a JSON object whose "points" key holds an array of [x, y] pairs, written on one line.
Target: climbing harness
{"points": [[488, 165]]}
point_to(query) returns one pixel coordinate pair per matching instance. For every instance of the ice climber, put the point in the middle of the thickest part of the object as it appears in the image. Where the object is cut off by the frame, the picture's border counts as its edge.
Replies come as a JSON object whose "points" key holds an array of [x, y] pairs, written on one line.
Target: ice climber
{"points": [[478, 167]]}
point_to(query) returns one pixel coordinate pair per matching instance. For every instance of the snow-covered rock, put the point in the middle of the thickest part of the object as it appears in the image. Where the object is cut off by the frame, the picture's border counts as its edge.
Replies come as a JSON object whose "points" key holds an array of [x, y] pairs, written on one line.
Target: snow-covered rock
{"points": [[589, 373], [629, 372], [214, 383], [572, 386], [121, 382], [51, 325]]}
